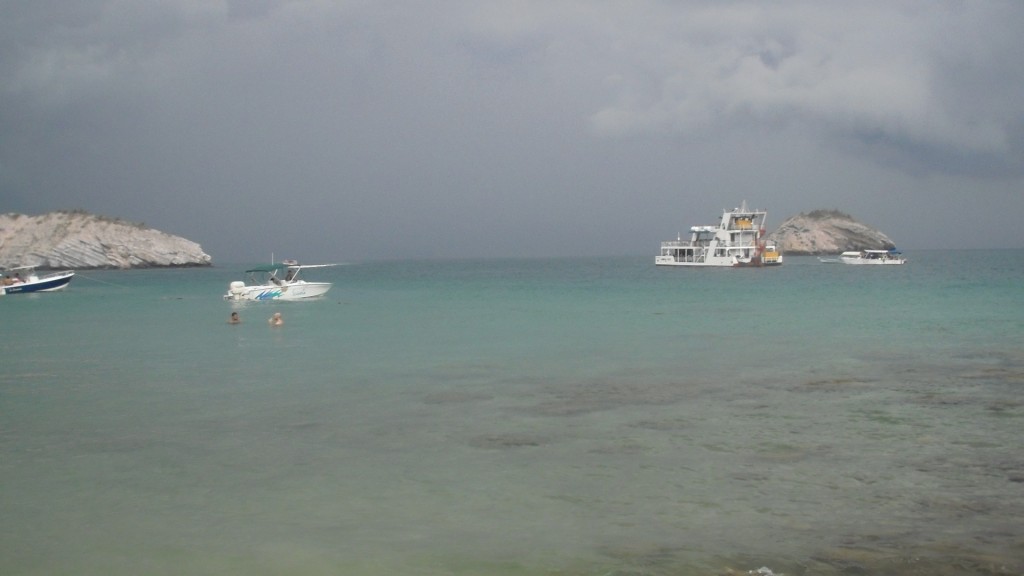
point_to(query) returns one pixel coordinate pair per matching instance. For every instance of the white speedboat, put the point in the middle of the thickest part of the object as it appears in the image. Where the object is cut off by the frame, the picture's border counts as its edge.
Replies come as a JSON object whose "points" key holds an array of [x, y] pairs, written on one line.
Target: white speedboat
{"points": [[738, 240], [872, 257], [268, 283], [25, 280]]}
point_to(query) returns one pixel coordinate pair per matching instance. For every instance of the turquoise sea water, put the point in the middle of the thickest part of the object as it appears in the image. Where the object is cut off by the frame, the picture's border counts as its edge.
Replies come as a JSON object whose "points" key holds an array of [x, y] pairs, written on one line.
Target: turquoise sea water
{"points": [[521, 417]]}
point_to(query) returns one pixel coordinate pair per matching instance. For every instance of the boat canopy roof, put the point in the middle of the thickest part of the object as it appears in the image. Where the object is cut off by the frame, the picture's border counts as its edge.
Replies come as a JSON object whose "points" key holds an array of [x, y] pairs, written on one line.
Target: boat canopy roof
{"points": [[275, 267], [267, 269]]}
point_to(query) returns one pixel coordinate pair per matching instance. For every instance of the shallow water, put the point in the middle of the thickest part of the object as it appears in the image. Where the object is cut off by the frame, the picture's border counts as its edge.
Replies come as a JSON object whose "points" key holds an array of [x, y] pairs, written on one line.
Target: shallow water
{"points": [[521, 417]]}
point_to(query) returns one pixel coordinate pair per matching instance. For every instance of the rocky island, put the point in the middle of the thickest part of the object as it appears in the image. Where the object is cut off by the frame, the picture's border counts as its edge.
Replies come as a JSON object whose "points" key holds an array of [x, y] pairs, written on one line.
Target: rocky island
{"points": [[79, 240], [827, 232]]}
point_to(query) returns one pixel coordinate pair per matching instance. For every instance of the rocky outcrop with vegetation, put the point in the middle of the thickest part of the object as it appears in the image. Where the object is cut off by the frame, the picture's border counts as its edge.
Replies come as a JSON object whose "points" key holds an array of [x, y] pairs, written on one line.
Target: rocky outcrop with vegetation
{"points": [[79, 240], [827, 232]]}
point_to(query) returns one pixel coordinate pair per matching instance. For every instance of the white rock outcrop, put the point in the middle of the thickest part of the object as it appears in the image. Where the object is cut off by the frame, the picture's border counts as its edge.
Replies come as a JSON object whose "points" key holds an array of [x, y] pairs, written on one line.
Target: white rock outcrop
{"points": [[827, 232], [80, 240]]}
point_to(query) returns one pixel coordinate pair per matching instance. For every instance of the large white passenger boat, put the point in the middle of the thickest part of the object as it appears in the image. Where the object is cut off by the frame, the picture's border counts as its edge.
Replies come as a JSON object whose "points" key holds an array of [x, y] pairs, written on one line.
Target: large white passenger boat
{"points": [[738, 240], [872, 257]]}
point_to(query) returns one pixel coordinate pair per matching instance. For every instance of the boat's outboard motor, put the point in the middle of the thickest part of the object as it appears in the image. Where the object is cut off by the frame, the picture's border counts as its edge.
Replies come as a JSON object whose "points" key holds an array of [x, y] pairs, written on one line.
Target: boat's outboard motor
{"points": [[236, 288]]}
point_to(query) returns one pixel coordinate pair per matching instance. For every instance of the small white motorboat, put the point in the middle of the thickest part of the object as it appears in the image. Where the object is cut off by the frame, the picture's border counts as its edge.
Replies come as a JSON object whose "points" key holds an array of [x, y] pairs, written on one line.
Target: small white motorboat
{"points": [[266, 283], [872, 257]]}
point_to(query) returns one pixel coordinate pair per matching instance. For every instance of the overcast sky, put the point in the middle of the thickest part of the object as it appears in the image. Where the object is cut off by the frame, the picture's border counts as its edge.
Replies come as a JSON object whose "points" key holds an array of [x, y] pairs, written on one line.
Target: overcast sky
{"points": [[368, 129]]}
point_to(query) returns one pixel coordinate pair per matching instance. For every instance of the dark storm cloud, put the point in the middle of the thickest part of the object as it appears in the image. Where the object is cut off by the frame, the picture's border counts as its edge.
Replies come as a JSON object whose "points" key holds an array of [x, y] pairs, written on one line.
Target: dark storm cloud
{"points": [[357, 129]]}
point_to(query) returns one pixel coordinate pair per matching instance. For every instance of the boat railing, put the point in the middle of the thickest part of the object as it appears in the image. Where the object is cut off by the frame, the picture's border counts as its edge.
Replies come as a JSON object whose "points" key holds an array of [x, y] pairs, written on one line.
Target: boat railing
{"points": [[738, 240], [677, 244], [55, 274]]}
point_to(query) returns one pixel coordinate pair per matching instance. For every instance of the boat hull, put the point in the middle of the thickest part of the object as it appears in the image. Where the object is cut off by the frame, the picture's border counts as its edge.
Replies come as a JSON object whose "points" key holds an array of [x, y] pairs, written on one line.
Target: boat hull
{"points": [[51, 283], [296, 291]]}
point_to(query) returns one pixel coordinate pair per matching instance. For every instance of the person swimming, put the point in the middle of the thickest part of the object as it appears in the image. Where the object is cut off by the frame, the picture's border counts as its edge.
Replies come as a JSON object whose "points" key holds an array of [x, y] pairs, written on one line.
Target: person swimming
{"points": [[234, 319], [276, 319]]}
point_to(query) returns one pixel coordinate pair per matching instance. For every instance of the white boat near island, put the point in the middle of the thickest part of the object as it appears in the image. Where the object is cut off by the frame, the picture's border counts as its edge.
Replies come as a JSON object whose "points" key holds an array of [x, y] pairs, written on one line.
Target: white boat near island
{"points": [[26, 281], [266, 283], [872, 257], [737, 241]]}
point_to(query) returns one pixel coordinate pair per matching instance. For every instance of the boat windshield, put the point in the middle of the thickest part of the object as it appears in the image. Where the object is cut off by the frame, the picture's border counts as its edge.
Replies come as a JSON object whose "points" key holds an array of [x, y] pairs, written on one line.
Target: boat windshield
{"points": [[263, 275]]}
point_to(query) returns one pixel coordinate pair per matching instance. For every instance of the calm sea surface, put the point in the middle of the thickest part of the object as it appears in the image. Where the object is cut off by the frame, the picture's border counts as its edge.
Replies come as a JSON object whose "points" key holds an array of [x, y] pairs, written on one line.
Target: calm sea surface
{"points": [[521, 417]]}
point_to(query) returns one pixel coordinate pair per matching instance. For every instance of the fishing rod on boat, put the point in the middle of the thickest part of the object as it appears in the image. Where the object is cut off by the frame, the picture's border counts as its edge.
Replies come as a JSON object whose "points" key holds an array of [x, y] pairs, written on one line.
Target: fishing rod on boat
{"points": [[80, 275]]}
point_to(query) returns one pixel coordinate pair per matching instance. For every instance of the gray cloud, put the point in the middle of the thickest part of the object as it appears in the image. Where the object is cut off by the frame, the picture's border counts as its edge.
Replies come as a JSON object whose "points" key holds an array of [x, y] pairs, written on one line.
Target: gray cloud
{"points": [[351, 130], [921, 79]]}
